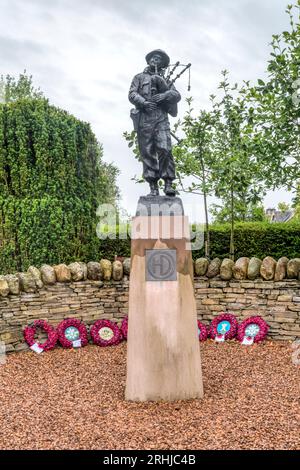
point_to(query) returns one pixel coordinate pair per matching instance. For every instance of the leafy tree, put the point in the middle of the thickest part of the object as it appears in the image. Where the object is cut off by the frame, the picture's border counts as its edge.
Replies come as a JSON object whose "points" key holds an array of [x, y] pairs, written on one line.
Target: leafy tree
{"points": [[237, 173], [274, 106], [283, 206], [194, 159], [243, 213], [12, 89]]}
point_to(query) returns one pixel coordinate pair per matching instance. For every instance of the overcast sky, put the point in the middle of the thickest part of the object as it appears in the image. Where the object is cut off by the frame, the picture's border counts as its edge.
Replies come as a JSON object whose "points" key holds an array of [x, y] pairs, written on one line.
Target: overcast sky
{"points": [[84, 53]]}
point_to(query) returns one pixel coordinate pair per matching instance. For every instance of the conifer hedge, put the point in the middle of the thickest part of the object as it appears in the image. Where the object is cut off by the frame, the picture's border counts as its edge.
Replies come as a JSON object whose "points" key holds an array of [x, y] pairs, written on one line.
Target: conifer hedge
{"points": [[52, 179]]}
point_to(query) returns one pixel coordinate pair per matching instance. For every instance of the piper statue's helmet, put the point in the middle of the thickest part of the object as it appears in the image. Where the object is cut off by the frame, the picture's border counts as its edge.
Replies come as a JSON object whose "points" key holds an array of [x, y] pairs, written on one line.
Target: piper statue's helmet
{"points": [[164, 55]]}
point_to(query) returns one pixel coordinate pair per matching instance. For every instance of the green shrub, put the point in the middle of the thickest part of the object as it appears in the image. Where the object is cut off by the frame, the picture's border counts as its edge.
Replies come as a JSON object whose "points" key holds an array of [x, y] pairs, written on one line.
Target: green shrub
{"points": [[52, 179], [255, 239]]}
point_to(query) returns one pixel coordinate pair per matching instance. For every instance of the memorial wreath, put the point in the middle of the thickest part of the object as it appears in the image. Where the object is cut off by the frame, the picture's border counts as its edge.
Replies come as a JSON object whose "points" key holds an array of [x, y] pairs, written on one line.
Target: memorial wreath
{"points": [[124, 327], [202, 331], [223, 327], [72, 333], [29, 336], [105, 333], [252, 330]]}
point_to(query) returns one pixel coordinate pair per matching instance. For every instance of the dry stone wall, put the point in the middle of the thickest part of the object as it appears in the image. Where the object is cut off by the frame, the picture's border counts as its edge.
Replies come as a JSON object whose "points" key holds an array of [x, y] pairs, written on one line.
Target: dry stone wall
{"points": [[100, 290]]}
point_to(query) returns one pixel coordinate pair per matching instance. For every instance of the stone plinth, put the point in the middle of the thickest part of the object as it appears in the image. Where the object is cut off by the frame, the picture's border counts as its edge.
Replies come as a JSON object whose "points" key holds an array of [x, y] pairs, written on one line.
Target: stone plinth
{"points": [[163, 359]]}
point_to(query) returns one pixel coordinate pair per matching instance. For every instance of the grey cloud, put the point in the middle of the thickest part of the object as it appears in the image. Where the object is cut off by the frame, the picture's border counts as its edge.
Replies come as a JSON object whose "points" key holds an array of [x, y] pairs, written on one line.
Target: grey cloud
{"points": [[12, 50]]}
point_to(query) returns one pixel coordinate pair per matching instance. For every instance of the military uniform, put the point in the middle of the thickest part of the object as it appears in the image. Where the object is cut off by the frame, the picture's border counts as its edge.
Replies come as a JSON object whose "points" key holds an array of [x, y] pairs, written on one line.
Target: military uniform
{"points": [[153, 127]]}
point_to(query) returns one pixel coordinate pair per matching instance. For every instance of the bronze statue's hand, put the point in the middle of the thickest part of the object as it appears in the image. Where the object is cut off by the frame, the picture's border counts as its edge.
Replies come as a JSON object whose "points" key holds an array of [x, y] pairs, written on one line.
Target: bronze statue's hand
{"points": [[158, 98], [150, 106]]}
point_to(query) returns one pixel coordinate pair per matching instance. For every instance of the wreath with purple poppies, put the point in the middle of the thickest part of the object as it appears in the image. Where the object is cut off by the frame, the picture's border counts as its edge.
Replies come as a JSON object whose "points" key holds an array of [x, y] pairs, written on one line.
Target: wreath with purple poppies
{"points": [[72, 333], [29, 336], [105, 333], [226, 318], [124, 327], [202, 331], [253, 327]]}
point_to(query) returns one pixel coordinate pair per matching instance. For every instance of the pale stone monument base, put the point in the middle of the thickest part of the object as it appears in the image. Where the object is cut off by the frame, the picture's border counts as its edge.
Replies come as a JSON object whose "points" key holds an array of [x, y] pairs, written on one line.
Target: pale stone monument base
{"points": [[163, 358]]}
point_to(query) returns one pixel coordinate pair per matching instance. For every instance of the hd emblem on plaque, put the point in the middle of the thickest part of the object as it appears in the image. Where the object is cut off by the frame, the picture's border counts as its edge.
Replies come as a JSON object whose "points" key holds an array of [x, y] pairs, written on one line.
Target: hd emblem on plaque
{"points": [[161, 265]]}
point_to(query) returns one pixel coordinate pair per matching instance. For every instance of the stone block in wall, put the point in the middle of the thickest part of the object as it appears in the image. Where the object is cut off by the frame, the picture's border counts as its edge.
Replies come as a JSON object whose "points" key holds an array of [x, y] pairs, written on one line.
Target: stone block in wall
{"points": [[106, 266], [4, 287], [208, 302], [284, 319], [127, 266], [117, 270], [265, 285], [226, 269], [293, 268], [284, 338], [216, 283], [294, 307], [272, 296], [21, 347], [207, 291], [77, 271], [253, 269], [240, 268], [13, 283], [27, 282], [281, 269], [63, 273], [292, 329], [201, 285], [36, 274], [285, 298], [267, 269], [84, 270], [213, 269], [201, 266], [216, 308], [11, 336], [48, 274], [94, 271], [247, 285]]}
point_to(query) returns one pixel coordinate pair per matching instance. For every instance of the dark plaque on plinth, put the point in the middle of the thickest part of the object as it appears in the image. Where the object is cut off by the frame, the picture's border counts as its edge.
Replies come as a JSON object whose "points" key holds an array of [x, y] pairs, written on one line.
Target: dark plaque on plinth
{"points": [[161, 265]]}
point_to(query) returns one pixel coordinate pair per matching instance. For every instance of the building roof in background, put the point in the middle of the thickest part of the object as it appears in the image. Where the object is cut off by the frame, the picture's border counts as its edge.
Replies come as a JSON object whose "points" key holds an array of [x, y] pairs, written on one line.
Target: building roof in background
{"points": [[279, 216]]}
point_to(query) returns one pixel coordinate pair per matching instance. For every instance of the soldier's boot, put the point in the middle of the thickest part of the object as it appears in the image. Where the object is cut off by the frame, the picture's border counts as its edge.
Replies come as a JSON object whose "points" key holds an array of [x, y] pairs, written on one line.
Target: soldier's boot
{"points": [[154, 191], [169, 191]]}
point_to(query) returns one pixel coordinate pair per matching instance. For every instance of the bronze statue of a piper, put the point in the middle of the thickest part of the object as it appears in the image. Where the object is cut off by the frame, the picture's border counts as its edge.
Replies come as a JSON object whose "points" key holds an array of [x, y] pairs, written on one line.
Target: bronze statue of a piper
{"points": [[154, 98]]}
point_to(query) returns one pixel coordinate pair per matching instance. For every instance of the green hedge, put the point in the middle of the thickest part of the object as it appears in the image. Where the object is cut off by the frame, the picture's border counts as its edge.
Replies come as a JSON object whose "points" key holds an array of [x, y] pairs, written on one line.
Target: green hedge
{"points": [[251, 239], [52, 179], [70, 236], [255, 239]]}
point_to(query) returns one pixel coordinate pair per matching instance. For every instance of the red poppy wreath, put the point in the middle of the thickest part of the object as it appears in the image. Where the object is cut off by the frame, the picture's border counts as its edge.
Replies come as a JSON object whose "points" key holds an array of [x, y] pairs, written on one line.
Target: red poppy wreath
{"points": [[72, 333], [202, 331], [252, 330], [105, 333], [124, 327], [223, 327], [29, 336]]}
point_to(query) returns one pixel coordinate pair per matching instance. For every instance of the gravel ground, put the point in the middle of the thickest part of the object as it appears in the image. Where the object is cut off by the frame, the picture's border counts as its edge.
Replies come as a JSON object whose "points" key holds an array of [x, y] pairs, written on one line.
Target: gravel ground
{"points": [[73, 399]]}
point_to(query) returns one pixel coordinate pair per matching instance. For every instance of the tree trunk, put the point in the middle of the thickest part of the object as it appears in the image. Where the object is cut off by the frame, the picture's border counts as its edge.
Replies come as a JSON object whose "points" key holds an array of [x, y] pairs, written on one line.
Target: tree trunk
{"points": [[207, 234], [231, 249]]}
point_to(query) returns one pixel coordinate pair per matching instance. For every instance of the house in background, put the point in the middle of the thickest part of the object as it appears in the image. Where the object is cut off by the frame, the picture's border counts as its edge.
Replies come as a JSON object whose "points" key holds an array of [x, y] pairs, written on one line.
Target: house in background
{"points": [[275, 215]]}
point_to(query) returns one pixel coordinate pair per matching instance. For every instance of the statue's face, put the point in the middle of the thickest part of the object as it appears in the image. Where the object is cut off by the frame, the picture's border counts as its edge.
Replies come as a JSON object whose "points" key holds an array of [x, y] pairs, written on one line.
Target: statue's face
{"points": [[156, 60]]}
